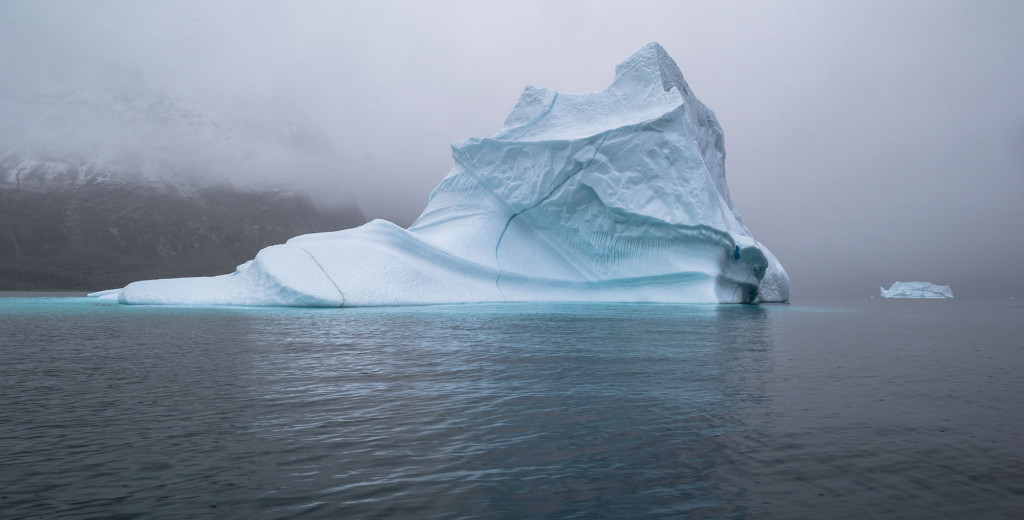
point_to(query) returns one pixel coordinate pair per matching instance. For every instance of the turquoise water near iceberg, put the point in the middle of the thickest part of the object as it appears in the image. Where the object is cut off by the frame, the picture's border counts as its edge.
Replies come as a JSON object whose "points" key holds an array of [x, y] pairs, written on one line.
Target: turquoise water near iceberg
{"points": [[819, 409]]}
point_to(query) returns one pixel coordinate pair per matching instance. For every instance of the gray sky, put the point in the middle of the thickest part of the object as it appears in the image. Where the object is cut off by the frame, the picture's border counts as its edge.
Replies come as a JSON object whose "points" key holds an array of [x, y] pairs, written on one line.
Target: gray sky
{"points": [[867, 141]]}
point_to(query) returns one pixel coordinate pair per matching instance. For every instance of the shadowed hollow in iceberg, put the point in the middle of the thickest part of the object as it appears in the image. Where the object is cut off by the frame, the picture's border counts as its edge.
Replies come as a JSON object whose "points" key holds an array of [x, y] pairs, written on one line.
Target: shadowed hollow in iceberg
{"points": [[617, 195]]}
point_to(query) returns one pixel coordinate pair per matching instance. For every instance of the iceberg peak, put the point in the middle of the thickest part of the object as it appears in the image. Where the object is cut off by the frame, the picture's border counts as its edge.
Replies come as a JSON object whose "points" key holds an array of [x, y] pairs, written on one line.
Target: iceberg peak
{"points": [[647, 85], [651, 64], [613, 195]]}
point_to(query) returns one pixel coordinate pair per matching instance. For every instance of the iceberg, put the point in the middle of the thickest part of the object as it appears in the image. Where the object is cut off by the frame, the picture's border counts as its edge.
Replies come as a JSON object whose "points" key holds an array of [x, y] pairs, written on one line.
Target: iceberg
{"points": [[917, 290], [617, 195]]}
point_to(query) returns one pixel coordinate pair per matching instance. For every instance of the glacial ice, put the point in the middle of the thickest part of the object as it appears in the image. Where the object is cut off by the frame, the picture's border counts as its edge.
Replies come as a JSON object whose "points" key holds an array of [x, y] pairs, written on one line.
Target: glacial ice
{"points": [[617, 195], [917, 290]]}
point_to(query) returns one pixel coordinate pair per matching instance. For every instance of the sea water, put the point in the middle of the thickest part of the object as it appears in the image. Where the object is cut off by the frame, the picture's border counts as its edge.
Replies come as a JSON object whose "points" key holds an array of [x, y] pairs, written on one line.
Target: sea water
{"points": [[831, 409]]}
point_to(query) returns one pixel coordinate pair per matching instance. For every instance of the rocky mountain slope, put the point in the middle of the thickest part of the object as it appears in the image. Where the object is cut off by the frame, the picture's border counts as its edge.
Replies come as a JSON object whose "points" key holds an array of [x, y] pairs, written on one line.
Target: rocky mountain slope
{"points": [[105, 185], [97, 236]]}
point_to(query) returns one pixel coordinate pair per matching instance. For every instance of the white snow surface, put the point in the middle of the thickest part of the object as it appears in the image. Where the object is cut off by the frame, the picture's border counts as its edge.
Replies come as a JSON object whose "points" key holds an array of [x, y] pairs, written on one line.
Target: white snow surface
{"points": [[612, 196], [917, 290]]}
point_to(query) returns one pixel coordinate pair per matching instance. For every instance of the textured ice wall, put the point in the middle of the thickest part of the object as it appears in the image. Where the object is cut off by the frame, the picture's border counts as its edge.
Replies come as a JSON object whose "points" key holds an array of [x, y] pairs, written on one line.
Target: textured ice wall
{"points": [[615, 195]]}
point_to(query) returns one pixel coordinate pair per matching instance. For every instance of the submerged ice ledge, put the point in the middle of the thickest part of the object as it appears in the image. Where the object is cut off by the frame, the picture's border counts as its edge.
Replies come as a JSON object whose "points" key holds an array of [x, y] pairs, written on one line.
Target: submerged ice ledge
{"points": [[612, 196]]}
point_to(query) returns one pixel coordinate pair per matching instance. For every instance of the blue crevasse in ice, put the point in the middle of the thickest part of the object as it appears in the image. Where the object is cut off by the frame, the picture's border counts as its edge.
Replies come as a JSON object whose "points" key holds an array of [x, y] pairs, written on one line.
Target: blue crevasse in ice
{"points": [[917, 290], [615, 195]]}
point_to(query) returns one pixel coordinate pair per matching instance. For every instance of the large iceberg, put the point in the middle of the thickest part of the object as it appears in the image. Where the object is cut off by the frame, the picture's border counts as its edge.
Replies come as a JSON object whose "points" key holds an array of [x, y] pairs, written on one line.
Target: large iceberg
{"points": [[917, 290], [613, 196]]}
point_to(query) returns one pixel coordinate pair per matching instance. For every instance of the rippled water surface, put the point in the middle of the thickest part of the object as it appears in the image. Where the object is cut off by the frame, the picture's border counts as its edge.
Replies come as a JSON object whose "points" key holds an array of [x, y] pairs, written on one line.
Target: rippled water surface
{"points": [[839, 409]]}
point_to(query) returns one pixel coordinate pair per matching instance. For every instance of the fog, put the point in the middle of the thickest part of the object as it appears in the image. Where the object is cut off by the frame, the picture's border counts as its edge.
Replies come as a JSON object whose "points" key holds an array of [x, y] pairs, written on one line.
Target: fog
{"points": [[867, 142]]}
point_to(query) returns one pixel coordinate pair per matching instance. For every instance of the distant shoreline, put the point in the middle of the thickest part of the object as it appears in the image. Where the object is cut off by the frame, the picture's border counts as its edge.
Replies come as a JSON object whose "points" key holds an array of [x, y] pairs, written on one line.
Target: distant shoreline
{"points": [[42, 294]]}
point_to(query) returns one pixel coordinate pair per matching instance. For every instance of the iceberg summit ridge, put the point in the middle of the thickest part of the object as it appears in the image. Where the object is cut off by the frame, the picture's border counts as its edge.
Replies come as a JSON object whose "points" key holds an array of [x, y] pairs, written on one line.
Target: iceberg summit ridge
{"points": [[917, 290], [617, 195]]}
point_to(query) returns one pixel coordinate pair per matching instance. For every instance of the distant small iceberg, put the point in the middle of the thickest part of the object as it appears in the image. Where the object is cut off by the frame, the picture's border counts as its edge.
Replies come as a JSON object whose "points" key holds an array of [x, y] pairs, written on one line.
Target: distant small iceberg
{"points": [[917, 290]]}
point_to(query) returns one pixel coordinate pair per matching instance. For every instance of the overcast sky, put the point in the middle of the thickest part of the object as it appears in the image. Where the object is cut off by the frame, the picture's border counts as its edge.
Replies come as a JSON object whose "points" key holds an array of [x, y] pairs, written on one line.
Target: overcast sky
{"points": [[867, 142]]}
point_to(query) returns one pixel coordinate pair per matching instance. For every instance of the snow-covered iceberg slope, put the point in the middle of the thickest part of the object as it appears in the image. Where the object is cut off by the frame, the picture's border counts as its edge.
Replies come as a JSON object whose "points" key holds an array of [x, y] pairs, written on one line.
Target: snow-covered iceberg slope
{"points": [[616, 195], [917, 290]]}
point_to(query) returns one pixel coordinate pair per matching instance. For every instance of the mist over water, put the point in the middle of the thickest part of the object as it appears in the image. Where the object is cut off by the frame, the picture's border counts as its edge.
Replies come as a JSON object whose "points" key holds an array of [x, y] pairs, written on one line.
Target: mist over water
{"points": [[867, 143]]}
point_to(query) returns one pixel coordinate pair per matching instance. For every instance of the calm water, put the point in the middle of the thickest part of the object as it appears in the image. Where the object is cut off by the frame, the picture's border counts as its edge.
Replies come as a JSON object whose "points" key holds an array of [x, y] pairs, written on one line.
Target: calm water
{"points": [[839, 409]]}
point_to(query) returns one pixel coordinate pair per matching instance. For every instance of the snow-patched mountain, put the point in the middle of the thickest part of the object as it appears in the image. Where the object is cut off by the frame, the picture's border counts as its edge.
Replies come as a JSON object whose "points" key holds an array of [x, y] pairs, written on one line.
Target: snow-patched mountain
{"points": [[103, 185], [128, 134], [616, 195]]}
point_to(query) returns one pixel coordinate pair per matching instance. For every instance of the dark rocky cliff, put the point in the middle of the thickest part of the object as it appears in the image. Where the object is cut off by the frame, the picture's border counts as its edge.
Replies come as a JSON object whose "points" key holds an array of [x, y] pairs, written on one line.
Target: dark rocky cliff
{"points": [[97, 236], [107, 181]]}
